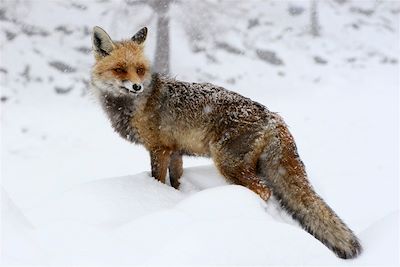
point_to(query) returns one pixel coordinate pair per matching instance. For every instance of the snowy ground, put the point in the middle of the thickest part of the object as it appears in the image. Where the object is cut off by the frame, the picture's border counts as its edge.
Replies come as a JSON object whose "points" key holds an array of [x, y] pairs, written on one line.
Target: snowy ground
{"points": [[59, 205], [135, 219]]}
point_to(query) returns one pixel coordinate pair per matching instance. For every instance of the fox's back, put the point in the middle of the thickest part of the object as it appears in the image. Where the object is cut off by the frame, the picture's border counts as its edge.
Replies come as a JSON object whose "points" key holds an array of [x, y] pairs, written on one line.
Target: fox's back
{"points": [[194, 114]]}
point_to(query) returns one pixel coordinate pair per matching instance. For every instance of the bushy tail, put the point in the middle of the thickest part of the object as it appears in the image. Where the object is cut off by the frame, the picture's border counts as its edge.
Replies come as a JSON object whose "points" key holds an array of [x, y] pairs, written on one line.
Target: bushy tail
{"points": [[285, 174]]}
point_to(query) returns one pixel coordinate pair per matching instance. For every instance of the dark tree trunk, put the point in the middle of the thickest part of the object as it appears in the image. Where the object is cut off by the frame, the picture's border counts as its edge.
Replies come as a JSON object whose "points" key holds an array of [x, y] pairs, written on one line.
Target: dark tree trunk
{"points": [[161, 60], [315, 27]]}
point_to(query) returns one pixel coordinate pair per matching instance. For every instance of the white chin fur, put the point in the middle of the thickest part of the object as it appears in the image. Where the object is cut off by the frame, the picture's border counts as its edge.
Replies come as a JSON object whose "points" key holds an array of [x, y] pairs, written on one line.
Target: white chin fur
{"points": [[117, 88]]}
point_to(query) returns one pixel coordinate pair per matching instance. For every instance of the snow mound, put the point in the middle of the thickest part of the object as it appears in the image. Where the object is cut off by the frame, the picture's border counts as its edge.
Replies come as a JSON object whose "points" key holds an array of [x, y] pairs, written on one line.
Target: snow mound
{"points": [[381, 241], [108, 202], [137, 220]]}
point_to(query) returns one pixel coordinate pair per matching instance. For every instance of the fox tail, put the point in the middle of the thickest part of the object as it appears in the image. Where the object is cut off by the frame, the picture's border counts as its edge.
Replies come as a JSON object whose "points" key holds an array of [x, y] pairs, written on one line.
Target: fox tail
{"points": [[285, 174]]}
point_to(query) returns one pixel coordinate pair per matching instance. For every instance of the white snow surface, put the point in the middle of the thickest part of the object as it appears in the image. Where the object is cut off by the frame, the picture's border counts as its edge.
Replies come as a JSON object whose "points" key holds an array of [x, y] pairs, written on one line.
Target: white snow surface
{"points": [[59, 205], [137, 220]]}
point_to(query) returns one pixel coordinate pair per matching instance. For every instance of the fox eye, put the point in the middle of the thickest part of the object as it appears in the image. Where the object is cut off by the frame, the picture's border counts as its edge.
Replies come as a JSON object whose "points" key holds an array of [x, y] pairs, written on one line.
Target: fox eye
{"points": [[120, 70], [140, 71]]}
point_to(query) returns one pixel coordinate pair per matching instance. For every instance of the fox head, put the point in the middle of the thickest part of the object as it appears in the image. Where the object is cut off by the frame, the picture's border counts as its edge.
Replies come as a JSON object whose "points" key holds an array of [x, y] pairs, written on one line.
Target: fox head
{"points": [[121, 67]]}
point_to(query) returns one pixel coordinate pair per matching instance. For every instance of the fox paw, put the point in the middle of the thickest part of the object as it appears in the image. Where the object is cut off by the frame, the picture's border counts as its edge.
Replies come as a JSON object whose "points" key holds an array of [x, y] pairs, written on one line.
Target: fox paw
{"points": [[264, 193]]}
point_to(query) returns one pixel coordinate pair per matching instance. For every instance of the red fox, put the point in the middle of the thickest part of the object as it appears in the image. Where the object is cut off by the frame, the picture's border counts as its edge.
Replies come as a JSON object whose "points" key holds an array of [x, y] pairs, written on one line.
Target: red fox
{"points": [[250, 145]]}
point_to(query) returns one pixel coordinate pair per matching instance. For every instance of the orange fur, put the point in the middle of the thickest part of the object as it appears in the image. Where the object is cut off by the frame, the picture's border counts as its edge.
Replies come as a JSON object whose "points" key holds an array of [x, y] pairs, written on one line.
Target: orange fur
{"points": [[127, 55]]}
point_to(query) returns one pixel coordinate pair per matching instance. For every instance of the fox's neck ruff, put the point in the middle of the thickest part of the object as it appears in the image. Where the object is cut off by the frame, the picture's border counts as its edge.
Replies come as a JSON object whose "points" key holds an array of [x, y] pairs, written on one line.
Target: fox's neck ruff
{"points": [[120, 109]]}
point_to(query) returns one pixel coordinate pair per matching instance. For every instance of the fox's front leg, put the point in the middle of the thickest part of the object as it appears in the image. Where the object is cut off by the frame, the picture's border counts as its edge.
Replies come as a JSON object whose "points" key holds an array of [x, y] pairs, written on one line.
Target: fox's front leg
{"points": [[175, 169], [160, 158]]}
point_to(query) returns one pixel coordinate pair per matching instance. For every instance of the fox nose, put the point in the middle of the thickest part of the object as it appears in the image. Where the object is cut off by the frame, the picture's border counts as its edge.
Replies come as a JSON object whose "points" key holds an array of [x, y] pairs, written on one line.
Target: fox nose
{"points": [[136, 87]]}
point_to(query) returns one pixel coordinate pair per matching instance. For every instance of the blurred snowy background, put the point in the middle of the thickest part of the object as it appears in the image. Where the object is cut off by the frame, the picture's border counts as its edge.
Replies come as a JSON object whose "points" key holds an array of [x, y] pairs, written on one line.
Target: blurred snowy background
{"points": [[330, 68]]}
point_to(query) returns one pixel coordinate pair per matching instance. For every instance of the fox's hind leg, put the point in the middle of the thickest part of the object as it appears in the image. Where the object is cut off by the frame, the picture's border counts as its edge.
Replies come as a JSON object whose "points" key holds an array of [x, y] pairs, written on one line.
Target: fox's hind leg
{"points": [[240, 172], [175, 169], [256, 184]]}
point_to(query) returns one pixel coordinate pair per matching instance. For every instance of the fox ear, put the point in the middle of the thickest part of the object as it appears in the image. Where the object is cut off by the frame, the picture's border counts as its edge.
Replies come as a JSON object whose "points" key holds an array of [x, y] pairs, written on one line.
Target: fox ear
{"points": [[140, 36], [102, 43]]}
